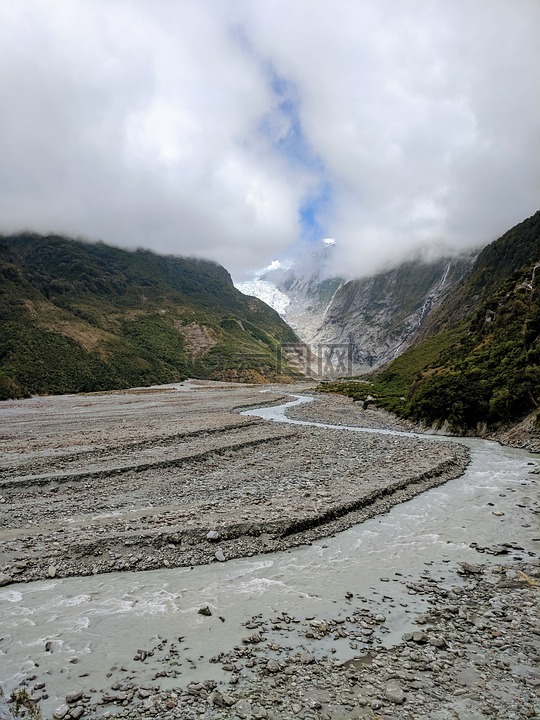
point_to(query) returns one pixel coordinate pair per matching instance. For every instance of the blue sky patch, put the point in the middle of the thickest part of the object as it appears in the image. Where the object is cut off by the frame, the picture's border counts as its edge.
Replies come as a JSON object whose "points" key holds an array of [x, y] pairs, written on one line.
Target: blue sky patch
{"points": [[283, 128]]}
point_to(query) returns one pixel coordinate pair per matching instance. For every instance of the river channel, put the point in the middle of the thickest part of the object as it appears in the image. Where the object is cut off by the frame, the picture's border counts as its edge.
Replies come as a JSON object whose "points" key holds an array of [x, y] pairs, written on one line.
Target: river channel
{"points": [[73, 633]]}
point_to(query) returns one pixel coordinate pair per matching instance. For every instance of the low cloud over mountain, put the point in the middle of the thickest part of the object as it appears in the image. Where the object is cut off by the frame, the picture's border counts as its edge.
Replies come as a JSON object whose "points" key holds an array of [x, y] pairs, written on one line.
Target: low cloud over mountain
{"points": [[234, 131]]}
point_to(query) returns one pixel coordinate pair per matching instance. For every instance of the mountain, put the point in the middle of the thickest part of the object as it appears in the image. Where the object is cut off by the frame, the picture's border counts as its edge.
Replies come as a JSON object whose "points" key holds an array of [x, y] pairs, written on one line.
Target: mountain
{"points": [[77, 316], [375, 318], [475, 366], [379, 316], [299, 289]]}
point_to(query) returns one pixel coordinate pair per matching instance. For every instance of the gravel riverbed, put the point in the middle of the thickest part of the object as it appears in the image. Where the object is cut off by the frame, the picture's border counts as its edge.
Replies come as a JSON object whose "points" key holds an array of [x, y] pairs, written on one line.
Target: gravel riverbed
{"points": [[176, 477], [138, 481]]}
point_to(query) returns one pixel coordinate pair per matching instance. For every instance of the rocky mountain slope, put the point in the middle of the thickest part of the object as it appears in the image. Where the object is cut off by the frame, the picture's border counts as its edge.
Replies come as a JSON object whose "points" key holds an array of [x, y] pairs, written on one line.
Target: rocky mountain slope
{"points": [[376, 317], [78, 316], [475, 365], [300, 289], [379, 316]]}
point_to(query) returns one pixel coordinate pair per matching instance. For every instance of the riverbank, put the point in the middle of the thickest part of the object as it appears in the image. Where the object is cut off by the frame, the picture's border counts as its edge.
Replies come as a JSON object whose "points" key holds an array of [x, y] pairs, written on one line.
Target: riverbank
{"points": [[174, 477], [341, 410], [313, 632], [473, 654]]}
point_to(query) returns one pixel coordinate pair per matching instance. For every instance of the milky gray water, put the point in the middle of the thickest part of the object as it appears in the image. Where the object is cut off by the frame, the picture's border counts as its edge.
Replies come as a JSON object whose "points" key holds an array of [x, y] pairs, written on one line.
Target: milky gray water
{"points": [[95, 624]]}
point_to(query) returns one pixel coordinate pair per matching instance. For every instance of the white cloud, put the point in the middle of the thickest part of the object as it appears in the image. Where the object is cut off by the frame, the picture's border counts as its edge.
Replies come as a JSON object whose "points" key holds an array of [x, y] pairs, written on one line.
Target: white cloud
{"points": [[157, 124]]}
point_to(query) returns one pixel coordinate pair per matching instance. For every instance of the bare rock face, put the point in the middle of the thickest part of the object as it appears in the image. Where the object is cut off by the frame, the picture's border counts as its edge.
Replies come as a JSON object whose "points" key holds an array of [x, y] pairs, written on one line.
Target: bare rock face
{"points": [[380, 315], [199, 338], [377, 317]]}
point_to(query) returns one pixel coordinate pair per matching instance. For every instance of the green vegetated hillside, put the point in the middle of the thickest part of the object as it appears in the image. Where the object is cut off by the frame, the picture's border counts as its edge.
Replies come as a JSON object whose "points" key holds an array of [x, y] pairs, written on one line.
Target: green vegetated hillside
{"points": [[478, 362], [78, 316]]}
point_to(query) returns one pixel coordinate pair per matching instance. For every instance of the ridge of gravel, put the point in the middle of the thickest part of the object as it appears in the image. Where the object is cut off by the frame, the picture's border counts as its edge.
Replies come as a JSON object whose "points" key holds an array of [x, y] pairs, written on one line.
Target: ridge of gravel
{"points": [[239, 490]]}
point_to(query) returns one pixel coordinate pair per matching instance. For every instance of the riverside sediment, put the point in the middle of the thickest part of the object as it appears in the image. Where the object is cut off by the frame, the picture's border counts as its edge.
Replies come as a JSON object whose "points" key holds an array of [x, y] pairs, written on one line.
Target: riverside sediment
{"points": [[87, 486], [473, 653]]}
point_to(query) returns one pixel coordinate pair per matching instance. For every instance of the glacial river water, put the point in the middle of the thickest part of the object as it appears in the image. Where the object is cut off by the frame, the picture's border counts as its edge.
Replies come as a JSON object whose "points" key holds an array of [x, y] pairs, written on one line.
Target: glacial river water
{"points": [[71, 633]]}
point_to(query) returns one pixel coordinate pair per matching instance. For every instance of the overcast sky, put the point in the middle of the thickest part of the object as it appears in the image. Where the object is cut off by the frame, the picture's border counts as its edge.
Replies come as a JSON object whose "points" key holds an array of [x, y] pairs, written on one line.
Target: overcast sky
{"points": [[234, 130]]}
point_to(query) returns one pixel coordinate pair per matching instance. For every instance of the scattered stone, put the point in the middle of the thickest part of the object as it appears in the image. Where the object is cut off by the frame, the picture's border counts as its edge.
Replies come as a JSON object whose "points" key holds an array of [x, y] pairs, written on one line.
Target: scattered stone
{"points": [[205, 610], [60, 712], [394, 692], [213, 536], [470, 569], [272, 666], [74, 697], [220, 557]]}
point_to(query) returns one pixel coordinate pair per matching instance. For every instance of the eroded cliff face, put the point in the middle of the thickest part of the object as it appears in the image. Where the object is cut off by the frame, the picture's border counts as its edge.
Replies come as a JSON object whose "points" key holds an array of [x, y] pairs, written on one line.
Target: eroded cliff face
{"points": [[371, 319], [379, 316], [309, 301]]}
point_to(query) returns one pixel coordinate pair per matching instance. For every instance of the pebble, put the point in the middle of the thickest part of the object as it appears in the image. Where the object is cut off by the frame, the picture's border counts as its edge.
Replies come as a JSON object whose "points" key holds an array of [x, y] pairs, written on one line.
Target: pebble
{"points": [[394, 692], [60, 712], [273, 666], [74, 697]]}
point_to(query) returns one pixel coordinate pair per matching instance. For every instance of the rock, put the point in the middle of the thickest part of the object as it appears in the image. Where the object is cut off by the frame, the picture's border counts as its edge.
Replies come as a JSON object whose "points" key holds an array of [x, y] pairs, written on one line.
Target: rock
{"points": [[272, 666], [497, 513], [470, 569], [5, 579], [74, 697], [76, 712], [243, 709], [218, 700], [51, 572], [213, 535], [205, 610], [437, 641], [394, 692], [419, 637], [60, 712], [220, 557]]}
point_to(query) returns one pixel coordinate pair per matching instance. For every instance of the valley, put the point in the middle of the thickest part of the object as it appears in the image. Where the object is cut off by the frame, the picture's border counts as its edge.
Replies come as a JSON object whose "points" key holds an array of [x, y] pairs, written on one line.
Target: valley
{"points": [[351, 595]]}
